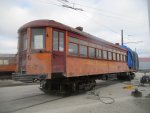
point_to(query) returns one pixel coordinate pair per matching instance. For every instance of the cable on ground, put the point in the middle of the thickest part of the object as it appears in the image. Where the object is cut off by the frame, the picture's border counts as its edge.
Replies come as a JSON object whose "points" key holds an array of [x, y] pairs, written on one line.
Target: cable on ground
{"points": [[101, 98]]}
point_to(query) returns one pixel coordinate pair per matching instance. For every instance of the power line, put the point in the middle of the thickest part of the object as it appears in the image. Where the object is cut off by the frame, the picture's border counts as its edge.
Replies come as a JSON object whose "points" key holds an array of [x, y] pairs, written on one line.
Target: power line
{"points": [[133, 42], [78, 9], [64, 3], [114, 15], [67, 6], [45, 2]]}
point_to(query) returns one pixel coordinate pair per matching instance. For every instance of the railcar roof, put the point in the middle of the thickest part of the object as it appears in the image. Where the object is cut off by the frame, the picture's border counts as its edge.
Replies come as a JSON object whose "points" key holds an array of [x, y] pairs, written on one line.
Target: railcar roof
{"points": [[52, 23]]}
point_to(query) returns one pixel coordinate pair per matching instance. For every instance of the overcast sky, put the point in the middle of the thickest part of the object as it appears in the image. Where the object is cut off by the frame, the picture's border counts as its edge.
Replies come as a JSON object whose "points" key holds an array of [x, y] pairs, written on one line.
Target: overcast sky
{"points": [[102, 18]]}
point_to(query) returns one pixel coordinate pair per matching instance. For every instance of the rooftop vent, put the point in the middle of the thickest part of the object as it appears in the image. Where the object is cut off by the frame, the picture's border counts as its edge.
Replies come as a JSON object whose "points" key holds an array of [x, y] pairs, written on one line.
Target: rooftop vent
{"points": [[117, 44], [79, 28]]}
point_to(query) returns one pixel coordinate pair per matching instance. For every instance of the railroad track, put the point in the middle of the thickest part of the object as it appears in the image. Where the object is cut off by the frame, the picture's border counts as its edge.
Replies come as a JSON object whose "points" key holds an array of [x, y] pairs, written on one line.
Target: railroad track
{"points": [[21, 98], [34, 105], [43, 98], [5, 77]]}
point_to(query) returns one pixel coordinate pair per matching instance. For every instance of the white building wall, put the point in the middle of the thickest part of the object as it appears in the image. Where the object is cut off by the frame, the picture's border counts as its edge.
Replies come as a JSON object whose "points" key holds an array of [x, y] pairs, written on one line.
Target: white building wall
{"points": [[144, 65]]}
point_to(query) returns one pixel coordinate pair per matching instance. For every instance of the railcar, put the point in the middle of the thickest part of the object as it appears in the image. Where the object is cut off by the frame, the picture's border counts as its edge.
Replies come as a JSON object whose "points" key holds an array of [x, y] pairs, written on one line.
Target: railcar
{"points": [[7, 65], [66, 58]]}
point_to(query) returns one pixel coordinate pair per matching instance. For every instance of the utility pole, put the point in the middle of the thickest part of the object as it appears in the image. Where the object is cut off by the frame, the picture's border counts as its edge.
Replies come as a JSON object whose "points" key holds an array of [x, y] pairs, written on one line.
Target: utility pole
{"points": [[122, 37]]}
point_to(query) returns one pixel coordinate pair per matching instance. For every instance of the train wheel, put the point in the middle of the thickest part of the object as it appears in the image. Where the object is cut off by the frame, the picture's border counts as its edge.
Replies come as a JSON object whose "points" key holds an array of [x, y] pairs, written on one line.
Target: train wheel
{"points": [[43, 84], [74, 86]]}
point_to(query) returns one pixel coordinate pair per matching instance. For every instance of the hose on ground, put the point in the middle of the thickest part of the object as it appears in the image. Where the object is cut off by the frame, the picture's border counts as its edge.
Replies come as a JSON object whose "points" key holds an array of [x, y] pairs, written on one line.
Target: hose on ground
{"points": [[102, 98]]}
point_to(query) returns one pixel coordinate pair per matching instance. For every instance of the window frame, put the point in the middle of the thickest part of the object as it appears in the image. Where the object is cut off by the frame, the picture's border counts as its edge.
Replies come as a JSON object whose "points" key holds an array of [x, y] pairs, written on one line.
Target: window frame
{"points": [[77, 49], [97, 56], [64, 44], [32, 39], [121, 57], [22, 40], [114, 55], [89, 52], [118, 57], [109, 56], [124, 58], [106, 55], [86, 50], [105, 49], [77, 43], [2, 62]]}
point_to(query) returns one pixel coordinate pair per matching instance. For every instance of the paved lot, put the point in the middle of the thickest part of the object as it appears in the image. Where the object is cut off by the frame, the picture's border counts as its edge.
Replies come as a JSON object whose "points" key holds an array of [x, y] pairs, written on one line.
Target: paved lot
{"points": [[6, 83], [30, 99]]}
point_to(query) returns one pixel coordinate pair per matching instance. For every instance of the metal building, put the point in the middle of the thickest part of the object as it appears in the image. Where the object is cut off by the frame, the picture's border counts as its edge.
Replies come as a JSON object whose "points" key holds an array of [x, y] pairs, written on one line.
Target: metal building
{"points": [[144, 64], [7, 65]]}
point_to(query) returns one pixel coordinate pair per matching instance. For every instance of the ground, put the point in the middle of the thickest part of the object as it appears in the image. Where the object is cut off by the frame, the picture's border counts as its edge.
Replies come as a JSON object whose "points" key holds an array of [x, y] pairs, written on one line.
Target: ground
{"points": [[30, 99]]}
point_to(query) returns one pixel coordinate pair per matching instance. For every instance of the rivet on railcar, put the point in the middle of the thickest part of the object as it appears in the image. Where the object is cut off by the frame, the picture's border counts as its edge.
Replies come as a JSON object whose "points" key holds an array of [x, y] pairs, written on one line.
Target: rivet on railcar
{"points": [[69, 59]]}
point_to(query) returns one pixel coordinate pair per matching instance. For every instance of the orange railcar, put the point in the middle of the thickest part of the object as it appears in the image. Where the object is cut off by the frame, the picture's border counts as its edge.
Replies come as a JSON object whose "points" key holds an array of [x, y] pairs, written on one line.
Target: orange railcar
{"points": [[65, 57], [7, 65]]}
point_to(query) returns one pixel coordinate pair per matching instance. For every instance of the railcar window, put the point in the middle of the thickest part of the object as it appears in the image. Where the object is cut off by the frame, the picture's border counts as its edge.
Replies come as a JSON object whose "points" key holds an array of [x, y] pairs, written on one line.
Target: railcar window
{"points": [[98, 53], [38, 38], [104, 54], [121, 59], [55, 40], [118, 57], [114, 56], [72, 39], [1, 62], [61, 41], [11, 61], [84, 42], [91, 44], [110, 55], [91, 52], [6, 62], [73, 49], [83, 50], [24, 41], [98, 46], [124, 58], [58, 41]]}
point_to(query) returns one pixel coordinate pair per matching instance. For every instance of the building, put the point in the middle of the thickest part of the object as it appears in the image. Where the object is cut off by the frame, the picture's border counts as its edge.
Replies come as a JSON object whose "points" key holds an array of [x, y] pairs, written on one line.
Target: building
{"points": [[7, 65], [144, 64]]}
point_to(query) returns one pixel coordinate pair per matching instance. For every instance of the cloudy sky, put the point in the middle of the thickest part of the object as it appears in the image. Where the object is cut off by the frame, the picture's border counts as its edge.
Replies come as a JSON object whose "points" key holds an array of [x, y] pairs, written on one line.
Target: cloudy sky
{"points": [[102, 18]]}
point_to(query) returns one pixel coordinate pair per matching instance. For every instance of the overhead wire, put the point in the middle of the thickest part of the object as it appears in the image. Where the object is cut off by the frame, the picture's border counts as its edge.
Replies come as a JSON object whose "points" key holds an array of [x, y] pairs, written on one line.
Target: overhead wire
{"points": [[45, 2], [102, 11], [102, 25], [64, 4], [96, 22], [105, 26]]}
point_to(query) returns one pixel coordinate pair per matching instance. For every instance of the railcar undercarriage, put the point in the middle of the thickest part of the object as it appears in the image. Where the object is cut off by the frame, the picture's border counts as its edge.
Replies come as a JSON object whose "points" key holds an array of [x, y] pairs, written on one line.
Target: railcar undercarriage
{"points": [[76, 84], [67, 85]]}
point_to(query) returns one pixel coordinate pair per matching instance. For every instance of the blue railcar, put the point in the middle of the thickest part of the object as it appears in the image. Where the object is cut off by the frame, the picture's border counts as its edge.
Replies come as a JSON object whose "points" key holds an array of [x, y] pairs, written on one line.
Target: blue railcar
{"points": [[132, 58]]}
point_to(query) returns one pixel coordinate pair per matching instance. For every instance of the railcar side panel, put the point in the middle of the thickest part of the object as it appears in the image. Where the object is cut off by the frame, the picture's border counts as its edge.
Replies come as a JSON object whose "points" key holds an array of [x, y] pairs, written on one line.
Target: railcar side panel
{"points": [[84, 66], [39, 61], [7, 68]]}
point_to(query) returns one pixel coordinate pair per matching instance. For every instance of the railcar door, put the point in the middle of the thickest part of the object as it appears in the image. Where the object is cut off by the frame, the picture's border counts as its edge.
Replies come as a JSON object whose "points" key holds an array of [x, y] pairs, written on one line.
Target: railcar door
{"points": [[58, 54]]}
